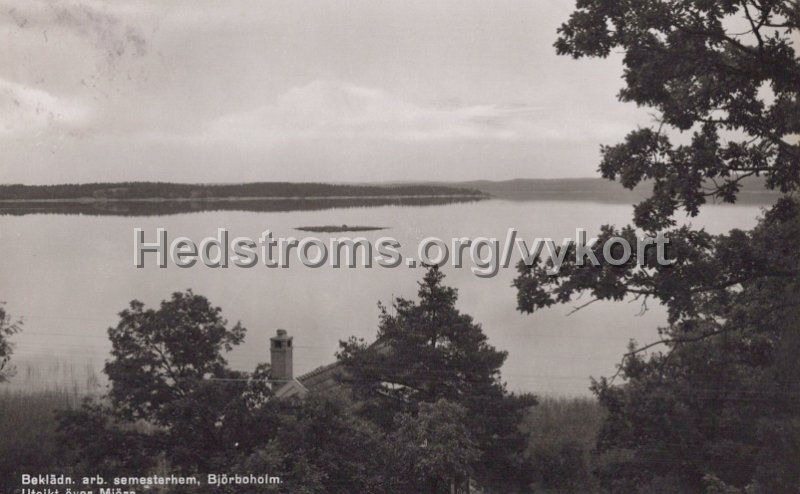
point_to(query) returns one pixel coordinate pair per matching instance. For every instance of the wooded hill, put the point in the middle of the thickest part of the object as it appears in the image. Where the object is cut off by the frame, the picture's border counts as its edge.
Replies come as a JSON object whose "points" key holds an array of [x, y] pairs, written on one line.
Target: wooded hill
{"points": [[167, 190]]}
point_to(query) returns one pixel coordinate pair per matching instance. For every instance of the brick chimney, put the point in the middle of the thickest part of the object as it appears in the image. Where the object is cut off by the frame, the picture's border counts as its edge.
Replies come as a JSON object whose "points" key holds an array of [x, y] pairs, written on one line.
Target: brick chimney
{"points": [[280, 353]]}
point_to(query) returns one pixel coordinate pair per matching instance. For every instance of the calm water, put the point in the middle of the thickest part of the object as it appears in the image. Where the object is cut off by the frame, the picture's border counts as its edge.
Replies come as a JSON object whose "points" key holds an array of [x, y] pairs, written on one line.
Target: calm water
{"points": [[69, 275]]}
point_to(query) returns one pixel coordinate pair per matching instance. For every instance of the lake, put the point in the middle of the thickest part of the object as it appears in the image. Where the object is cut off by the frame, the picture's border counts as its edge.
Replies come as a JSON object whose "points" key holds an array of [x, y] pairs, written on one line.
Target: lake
{"points": [[68, 275]]}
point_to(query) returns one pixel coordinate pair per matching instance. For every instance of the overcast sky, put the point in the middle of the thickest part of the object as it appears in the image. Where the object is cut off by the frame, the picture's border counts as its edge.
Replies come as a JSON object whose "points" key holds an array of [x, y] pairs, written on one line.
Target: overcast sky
{"points": [[299, 90]]}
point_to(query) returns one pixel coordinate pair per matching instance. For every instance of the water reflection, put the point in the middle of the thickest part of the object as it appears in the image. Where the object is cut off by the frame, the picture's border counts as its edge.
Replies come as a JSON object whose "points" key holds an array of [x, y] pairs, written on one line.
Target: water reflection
{"points": [[169, 207]]}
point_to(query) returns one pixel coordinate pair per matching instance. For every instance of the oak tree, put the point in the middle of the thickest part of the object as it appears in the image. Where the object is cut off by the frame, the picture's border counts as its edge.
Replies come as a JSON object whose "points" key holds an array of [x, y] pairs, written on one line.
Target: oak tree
{"points": [[713, 406]]}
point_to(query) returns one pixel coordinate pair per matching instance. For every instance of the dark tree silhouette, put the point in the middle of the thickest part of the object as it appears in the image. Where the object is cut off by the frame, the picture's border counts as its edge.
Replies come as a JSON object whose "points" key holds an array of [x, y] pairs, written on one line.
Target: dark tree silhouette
{"points": [[160, 357], [168, 373], [720, 406], [715, 406], [725, 72], [427, 351]]}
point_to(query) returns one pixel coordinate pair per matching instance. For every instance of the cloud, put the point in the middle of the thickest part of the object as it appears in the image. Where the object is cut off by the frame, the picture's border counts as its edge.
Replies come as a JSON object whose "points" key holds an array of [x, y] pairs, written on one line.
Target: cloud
{"points": [[27, 110], [110, 36], [334, 110]]}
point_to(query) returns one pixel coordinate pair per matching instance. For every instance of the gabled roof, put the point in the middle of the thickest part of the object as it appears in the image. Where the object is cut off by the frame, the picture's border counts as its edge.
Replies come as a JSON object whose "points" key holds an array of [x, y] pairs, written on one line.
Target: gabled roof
{"points": [[291, 388], [322, 378], [319, 380]]}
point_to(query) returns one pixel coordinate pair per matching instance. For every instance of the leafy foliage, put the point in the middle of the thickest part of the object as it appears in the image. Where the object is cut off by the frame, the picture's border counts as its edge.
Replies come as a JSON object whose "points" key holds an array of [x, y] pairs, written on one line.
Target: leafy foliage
{"points": [[8, 327], [724, 407], [703, 281], [320, 445], [162, 356], [99, 445], [433, 448], [173, 401], [715, 410], [562, 443], [724, 70], [736, 90], [172, 392], [427, 351]]}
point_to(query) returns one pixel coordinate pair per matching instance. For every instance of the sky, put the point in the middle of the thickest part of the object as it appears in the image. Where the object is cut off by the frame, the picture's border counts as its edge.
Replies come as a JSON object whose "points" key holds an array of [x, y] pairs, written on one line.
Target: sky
{"points": [[299, 90]]}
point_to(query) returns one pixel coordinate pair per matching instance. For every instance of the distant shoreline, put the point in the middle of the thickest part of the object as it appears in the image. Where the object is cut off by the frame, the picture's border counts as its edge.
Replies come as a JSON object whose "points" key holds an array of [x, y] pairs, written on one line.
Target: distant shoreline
{"points": [[164, 192], [94, 200], [168, 193]]}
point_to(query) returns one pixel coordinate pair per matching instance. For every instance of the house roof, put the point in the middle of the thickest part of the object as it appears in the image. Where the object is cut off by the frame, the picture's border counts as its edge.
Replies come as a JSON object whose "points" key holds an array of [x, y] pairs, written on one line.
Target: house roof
{"points": [[322, 378]]}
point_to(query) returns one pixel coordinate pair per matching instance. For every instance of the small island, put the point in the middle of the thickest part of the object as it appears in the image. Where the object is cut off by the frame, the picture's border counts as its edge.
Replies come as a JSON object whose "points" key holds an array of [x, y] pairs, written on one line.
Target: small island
{"points": [[339, 228]]}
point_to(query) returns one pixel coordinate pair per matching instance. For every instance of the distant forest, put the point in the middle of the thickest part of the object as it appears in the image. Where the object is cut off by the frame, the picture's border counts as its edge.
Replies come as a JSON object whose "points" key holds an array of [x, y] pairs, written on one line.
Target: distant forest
{"points": [[167, 190], [576, 189], [168, 207]]}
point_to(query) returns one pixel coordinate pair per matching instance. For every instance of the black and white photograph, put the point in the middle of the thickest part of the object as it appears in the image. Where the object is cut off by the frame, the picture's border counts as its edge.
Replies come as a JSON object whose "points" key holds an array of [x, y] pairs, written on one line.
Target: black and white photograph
{"points": [[392, 247]]}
